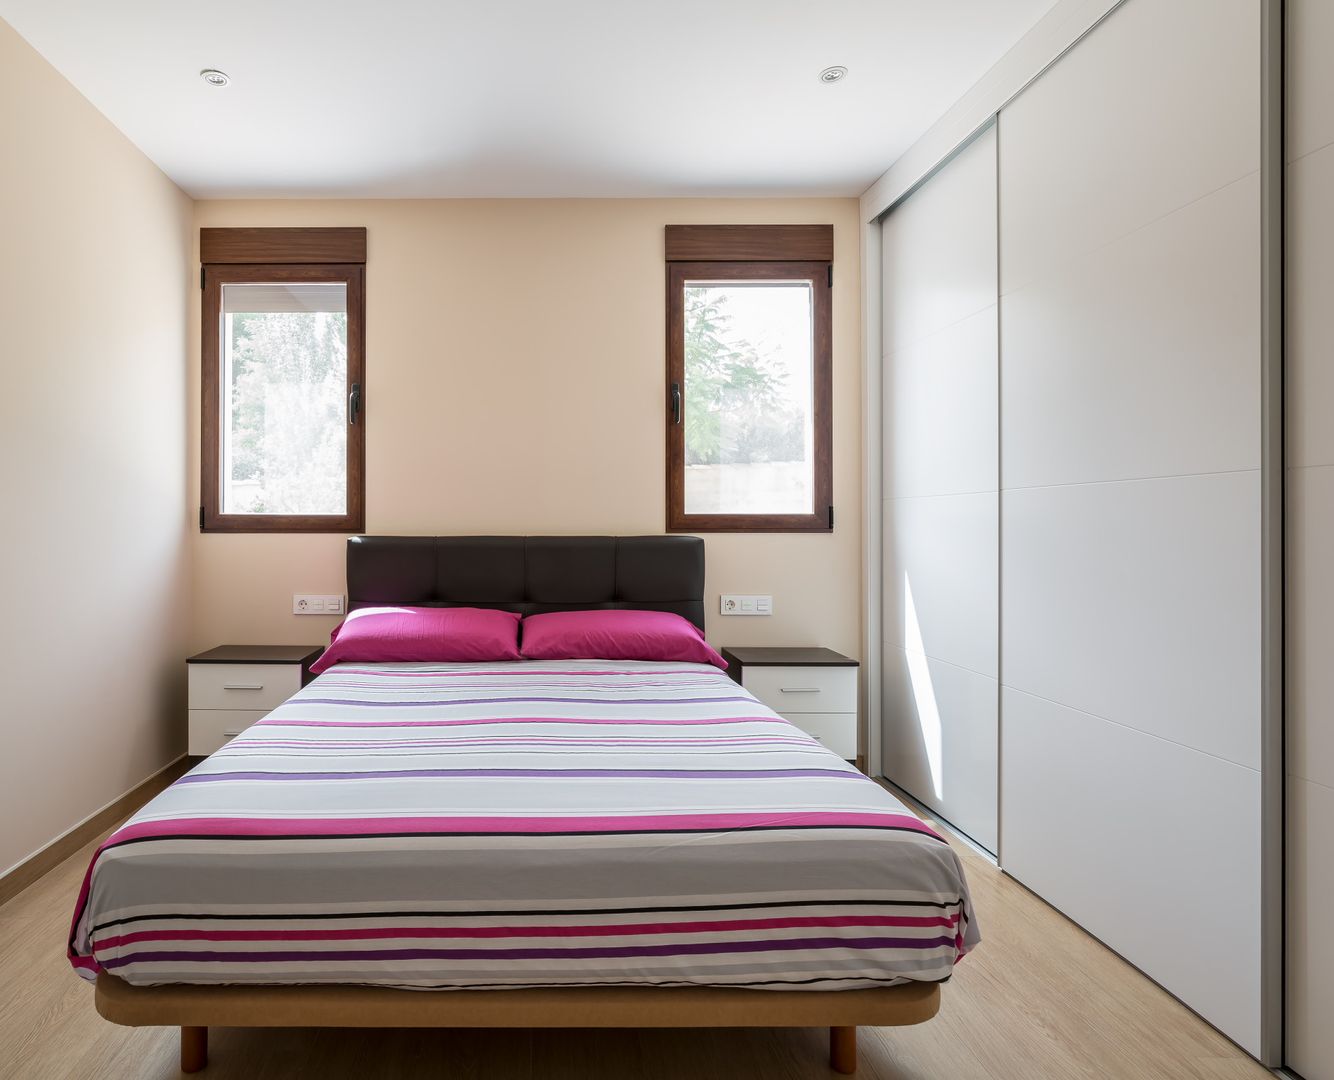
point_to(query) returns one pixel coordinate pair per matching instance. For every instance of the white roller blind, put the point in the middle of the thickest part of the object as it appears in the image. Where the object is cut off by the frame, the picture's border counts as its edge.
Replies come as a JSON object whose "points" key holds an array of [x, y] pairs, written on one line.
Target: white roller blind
{"points": [[284, 298]]}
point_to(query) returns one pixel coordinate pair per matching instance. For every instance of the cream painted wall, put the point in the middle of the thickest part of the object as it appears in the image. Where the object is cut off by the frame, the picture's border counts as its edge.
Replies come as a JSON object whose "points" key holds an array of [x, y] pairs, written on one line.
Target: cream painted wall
{"points": [[93, 297], [514, 384]]}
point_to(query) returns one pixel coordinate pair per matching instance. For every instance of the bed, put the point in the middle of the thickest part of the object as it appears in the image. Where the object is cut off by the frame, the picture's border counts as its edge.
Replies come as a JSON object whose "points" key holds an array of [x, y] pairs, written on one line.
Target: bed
{"points": [[574, 843]]}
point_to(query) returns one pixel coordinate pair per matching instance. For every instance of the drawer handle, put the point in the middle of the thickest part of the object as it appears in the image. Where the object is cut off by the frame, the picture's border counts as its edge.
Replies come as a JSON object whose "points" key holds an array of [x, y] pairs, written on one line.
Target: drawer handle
{"points": [[243, 686], [799, 689], [232, 734]]}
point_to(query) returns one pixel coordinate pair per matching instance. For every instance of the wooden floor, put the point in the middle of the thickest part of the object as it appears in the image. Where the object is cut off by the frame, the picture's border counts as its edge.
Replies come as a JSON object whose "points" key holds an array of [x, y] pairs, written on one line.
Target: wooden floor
{"points": [[1038, 999]]}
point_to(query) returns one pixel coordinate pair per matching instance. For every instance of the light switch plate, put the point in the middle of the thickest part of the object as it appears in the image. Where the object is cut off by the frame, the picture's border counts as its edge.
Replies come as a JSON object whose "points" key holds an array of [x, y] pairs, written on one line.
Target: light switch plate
{"points": [[317, 604], [737, 604]]}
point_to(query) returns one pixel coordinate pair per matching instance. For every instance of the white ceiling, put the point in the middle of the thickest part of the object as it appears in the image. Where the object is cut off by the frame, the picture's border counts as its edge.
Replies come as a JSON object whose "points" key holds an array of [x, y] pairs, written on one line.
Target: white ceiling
{"points": [[413, 98]]}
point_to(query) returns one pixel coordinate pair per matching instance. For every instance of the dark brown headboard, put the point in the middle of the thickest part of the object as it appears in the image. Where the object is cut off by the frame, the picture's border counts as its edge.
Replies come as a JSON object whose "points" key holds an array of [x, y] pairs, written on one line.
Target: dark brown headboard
{"points": [[529, 574]]}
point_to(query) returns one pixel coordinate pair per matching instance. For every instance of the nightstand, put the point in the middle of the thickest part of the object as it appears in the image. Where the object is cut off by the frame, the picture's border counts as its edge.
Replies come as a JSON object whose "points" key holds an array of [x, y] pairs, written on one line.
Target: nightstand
{"points": [[816, 689], [232, 686]]}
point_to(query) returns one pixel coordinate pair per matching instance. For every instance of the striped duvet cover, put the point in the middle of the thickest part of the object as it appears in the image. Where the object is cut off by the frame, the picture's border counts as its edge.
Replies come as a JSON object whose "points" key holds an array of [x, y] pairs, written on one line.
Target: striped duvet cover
{"points": [[536, 824]]}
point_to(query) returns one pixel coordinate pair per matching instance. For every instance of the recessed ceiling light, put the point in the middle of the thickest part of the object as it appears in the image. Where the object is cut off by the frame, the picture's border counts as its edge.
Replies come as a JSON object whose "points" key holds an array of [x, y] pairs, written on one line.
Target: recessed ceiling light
{"points": [[832, 74], [214, 77]]}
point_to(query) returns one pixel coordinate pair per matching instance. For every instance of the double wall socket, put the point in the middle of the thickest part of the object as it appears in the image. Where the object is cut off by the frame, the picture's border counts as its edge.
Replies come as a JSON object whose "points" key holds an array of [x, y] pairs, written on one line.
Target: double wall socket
{"points": [[733, 604], [316, 604]]}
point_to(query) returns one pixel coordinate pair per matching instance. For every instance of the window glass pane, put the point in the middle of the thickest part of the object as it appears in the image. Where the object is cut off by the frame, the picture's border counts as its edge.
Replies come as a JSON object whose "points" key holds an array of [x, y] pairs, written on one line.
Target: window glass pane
{"points": [[749, 379], [284, 399]]}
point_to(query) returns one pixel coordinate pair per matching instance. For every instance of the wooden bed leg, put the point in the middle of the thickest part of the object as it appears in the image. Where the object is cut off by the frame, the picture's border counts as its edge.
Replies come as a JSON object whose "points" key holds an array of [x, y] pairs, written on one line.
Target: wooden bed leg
{"points": [[843, 1049], [194, 1049]]}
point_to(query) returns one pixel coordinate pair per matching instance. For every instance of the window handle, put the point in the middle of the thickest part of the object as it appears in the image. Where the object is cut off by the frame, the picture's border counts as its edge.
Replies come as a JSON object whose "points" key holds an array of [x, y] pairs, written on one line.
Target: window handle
{"points": [[354, 403], [676, 403]]}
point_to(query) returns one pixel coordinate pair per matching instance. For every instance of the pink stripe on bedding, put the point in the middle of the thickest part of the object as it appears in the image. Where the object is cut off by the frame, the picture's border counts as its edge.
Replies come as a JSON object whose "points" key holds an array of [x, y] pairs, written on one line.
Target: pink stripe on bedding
{"points": [[499, 826], [390, 932]]}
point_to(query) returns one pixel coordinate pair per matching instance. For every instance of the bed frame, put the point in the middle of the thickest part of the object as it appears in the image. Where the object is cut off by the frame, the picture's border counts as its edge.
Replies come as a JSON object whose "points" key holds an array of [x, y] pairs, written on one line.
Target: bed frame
{"points": [[194, 1009], [527, 575]]}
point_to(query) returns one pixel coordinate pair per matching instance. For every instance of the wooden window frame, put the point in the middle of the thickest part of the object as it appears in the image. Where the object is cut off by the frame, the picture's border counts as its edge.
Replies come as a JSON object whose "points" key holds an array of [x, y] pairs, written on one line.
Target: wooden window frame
{"points": [[273, 255], [761, 249]]}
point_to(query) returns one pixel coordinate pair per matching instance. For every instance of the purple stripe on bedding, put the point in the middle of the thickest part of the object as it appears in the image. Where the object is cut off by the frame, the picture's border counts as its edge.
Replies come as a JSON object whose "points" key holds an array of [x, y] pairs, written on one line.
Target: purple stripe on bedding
{"points": [[516, 741], [581, 774], [389, 703], [685, 948], [622, 721]]}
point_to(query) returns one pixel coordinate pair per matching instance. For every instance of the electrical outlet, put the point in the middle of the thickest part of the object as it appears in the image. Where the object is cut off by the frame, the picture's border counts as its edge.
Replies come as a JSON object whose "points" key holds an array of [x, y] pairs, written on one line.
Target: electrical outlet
{"points": [[736, 604], [317, 604]]}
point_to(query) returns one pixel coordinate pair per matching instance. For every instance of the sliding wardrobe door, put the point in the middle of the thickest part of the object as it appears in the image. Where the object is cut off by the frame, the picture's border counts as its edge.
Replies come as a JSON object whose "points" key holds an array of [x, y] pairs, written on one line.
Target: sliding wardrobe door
{"points": [[939, 567], [1310, 332], [1130, 313]]}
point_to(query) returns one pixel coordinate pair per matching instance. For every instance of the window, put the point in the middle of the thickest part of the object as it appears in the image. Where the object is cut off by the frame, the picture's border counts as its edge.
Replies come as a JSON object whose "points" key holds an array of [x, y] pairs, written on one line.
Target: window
{"points": [[283, 433], [749, 378]]}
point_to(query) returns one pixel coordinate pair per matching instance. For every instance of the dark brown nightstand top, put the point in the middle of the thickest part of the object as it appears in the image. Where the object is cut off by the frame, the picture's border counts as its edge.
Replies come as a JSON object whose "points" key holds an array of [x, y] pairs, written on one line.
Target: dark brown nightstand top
{"points": [[259, 654], [768, 656]]}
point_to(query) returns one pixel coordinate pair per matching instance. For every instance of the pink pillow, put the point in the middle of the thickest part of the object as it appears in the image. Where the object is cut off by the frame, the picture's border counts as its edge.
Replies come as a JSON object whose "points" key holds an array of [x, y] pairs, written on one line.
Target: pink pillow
{"points": [[616, 635], [385, 634]]}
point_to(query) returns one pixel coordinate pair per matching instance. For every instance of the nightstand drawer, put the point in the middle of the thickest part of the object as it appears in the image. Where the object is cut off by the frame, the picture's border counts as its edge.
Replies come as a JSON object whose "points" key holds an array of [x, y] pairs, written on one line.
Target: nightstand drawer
{"points": [[803, 689], [249, 687], [837, 731], [212, 729]]}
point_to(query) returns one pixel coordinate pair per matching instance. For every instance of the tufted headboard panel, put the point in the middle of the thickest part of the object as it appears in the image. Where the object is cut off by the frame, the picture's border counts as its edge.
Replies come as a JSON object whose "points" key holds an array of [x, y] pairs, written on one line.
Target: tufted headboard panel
{"points": [[529, 574]]}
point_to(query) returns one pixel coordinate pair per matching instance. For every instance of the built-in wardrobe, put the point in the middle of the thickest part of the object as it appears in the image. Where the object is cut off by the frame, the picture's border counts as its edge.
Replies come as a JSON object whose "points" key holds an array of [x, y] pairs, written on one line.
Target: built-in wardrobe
{"points": [[1077, 470], [1309, 360]]}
